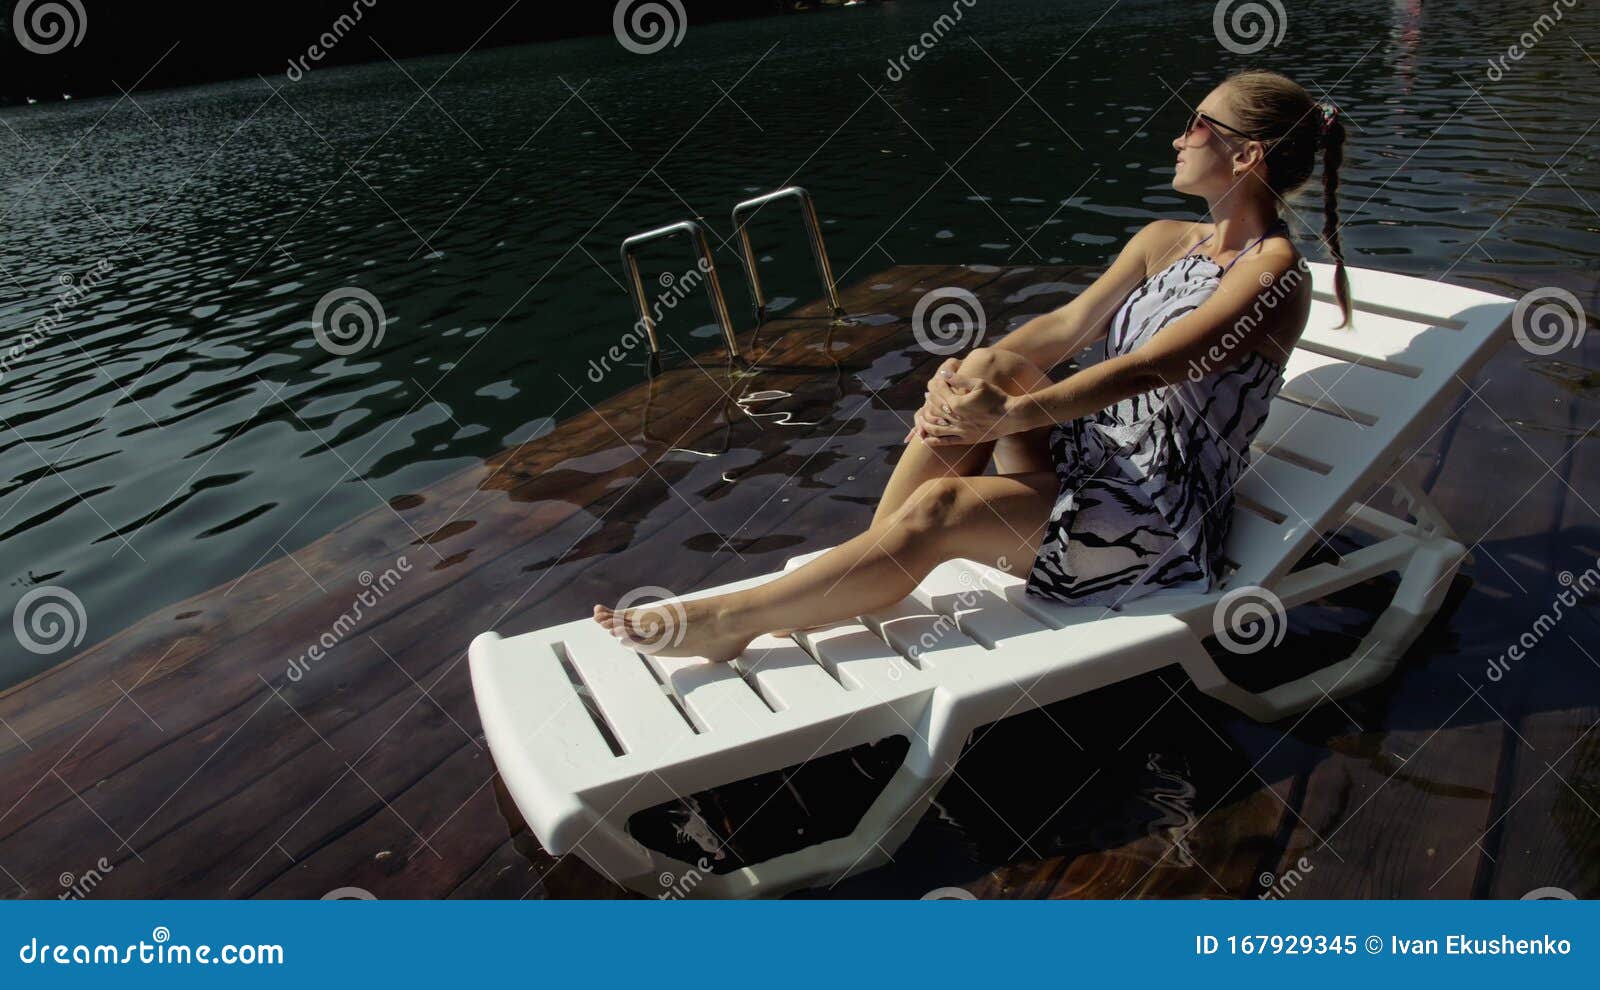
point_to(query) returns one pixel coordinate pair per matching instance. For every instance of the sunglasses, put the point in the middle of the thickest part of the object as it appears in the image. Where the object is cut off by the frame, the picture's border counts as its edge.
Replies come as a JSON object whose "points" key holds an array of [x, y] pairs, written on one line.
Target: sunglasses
{"points": [[1204, 120]]}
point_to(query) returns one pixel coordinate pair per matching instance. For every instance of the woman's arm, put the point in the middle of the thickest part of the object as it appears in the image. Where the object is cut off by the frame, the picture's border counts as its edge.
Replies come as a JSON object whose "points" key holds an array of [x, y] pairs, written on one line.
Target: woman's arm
{"points": [[1052, 338], [1048, 340], [1217, 335]]}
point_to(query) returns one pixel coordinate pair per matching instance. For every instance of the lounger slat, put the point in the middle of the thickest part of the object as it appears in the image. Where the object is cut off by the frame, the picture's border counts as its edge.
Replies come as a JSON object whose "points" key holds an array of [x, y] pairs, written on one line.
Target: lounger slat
{"points": [[631, 699], [1417, 347], [931, 640], [1364, 394], [716, 698], [790, 676], [1253, 541], [979, 612], [1313, 437], [1436, 301], [860, 659], [1294, 492], [523, 685]]}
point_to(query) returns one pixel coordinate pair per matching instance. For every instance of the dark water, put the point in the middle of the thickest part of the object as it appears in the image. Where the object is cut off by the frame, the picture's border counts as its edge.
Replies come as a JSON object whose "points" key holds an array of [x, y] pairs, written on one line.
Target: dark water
{"points": [[181, 424]]}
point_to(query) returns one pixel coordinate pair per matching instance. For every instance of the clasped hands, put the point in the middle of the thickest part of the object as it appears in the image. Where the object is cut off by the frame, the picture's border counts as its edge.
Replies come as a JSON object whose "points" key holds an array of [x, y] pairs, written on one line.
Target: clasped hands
{"points": [[960, 410]]}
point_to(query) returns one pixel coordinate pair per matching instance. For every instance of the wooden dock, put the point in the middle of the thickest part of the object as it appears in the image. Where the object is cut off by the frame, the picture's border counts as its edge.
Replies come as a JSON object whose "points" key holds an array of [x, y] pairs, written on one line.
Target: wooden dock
{"points": [[180, 758]]}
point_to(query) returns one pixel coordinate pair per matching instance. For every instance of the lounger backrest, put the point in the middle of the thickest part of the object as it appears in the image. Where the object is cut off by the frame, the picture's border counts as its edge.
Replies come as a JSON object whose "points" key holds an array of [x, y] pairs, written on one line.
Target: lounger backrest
{"points": [[1354, 402]]}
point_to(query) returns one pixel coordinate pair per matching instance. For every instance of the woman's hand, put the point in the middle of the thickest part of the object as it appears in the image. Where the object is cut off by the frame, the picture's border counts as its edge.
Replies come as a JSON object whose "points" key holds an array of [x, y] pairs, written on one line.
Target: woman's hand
{"points": [[938, 393], [962, 410]]}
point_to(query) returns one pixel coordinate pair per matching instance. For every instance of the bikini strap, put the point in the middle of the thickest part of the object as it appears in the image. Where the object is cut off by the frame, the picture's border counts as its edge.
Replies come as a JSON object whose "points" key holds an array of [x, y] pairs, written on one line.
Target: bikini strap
{"points": [[1273, 229]]}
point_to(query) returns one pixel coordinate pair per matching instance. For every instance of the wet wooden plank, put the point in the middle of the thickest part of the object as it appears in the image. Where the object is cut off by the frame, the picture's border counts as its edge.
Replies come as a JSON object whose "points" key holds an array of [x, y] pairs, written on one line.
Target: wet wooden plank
{"points": [[1546, 833]]}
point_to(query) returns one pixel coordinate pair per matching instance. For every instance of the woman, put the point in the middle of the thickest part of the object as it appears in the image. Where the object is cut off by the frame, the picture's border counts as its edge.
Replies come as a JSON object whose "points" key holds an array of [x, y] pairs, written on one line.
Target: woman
{"points": [[1117, 481]]}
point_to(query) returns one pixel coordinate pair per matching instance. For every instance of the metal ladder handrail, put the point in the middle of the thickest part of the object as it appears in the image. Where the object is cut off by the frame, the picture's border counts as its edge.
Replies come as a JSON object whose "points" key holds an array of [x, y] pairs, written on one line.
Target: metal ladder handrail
{"points": [[708, 268], [819, 252]]}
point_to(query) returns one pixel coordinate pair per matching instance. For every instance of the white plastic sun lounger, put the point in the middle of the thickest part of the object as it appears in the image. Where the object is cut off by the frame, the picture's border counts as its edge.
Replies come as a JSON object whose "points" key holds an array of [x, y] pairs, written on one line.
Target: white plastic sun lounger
{"points": [[586, 732]]}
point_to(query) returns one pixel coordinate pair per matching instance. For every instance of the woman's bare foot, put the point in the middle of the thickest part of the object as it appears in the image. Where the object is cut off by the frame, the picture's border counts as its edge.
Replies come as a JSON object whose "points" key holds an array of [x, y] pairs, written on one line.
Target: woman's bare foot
{"points": [[676, 629]]}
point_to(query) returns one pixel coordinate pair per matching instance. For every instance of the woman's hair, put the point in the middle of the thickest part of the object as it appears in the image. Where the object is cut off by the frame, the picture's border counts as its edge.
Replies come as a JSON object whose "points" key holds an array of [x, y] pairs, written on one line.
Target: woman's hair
{"points": [[1294, 127]]}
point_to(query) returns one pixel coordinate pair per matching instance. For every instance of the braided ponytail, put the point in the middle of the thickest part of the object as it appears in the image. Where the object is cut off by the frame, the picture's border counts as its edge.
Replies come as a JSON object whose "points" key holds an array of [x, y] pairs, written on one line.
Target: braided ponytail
{"points": [[1294, 128], [1333, 135]]}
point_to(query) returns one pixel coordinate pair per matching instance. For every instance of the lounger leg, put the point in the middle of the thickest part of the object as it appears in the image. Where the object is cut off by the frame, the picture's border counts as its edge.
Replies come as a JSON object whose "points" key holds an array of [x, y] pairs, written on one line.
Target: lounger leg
{"points": [[887, 823], [1425, 579]]}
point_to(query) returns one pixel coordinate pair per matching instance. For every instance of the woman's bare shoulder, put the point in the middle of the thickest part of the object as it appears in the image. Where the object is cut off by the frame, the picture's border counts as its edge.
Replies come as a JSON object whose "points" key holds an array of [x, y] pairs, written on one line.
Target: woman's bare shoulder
{"points": [[1161, 241]]}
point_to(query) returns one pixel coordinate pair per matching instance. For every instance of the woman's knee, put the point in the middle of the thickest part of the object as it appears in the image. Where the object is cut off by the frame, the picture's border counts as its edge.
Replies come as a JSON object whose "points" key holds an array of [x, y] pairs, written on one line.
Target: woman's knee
{"points": [[982, 362], [936, 505], [1005, 369]]}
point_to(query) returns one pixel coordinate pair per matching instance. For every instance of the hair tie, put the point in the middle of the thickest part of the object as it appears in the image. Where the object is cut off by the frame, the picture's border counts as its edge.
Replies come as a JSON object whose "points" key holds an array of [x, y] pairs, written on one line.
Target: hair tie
{"points": [[1330, 113]]}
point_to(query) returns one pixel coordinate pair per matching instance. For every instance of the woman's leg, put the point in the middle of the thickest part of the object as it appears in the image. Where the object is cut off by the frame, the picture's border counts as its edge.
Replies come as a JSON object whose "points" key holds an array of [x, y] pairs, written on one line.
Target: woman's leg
{"points": [[998, 520], [1020, 454]]}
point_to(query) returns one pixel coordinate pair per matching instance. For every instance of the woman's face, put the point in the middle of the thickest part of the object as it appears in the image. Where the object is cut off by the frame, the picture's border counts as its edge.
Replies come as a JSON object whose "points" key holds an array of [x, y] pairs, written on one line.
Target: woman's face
{"points": [[1207, 152]]}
